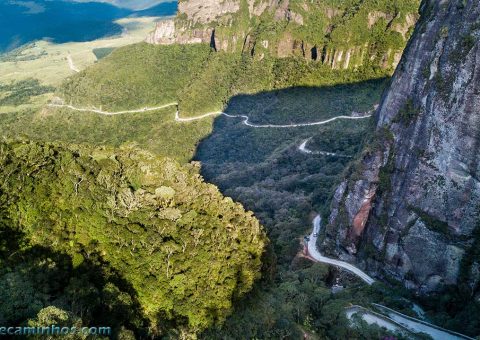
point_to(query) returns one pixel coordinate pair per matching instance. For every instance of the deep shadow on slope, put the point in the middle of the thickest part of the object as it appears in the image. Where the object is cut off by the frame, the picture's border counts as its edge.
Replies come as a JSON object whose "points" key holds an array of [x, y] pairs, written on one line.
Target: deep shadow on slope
{"points": [[34, 277], [264, 170]]}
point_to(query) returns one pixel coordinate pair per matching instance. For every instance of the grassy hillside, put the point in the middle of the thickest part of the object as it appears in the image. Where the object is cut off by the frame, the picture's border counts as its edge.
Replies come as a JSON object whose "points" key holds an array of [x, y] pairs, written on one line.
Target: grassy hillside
{"points": [[182, 250], [136, 76], [153, 131], [199, 79]]}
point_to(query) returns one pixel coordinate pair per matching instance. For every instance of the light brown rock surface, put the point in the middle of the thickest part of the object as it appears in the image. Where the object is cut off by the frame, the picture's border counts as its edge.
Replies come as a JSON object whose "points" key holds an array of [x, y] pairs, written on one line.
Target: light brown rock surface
{"points": [[306, 29]]}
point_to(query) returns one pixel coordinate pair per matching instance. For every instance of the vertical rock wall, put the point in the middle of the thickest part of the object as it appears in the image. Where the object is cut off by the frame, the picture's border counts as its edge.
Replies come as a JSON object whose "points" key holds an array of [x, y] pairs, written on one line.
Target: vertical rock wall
{"points": [[411, 209], [303, 29]]}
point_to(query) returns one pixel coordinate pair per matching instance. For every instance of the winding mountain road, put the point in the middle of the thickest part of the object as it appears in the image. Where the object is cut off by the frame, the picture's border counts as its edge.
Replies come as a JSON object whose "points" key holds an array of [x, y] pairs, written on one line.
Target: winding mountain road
{"points": [[389, 318], [303, 149], [373, 318], [398, 322], [420, 326], [106, 113], [246, 119], [316, 255]]}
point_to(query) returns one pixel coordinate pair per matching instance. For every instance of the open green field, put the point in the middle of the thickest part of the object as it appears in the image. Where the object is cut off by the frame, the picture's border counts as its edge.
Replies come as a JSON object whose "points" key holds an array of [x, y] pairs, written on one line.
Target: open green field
{"points": [[48, 62]]}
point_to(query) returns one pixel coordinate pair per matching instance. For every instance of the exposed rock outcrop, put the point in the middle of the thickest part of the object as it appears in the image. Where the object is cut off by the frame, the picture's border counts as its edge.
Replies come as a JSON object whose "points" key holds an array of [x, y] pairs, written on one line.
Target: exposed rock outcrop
{"points": [[237, 25], [374, 16], [164, 33], [205, 11], [257, 8], [411, 209]]}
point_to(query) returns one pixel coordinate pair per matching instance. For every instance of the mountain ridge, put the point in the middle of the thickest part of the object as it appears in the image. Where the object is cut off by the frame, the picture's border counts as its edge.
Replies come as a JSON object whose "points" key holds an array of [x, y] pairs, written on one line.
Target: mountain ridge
{"points": [[327, 33]]}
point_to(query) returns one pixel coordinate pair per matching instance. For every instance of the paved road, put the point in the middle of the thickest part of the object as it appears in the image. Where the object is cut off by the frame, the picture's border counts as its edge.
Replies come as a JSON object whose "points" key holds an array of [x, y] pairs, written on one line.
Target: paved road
{"points": [[397, 322], [373, 318], [106, 113], [246, 119], [420, 326], [303, 149], [315, 254]]}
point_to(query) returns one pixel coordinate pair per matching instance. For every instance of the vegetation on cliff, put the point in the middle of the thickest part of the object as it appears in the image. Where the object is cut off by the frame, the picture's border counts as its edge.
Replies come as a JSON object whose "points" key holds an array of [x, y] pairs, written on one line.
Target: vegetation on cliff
{"points": [[341, 34], [200, 79]]}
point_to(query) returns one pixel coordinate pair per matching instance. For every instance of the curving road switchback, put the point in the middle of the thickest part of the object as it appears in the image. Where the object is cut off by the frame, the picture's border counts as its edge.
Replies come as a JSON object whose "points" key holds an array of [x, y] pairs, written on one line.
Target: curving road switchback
{"points": [[398, 322], [246, 119], [303, 149], [316, 255]]}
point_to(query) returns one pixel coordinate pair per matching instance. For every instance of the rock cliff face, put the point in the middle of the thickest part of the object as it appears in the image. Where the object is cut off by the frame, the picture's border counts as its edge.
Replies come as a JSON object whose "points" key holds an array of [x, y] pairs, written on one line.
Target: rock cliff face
{"points": [[411, 208], [339, 36]]}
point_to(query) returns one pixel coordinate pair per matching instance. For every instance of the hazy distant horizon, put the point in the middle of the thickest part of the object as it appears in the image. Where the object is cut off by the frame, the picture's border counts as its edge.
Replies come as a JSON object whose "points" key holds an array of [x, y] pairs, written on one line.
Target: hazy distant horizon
{"points": [[61, 21], [130, 4]]}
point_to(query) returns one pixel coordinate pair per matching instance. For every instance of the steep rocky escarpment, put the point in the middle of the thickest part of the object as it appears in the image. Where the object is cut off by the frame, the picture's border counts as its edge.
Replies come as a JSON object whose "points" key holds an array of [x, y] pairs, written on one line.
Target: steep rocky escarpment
{"points": [[411, 207], [341, 35]]}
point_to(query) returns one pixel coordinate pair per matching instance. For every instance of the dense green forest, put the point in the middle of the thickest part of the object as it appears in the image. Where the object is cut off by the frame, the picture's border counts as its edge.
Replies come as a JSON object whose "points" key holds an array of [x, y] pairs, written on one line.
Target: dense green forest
{"points": [[127, 231], [103, 232], [262, 168]]}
